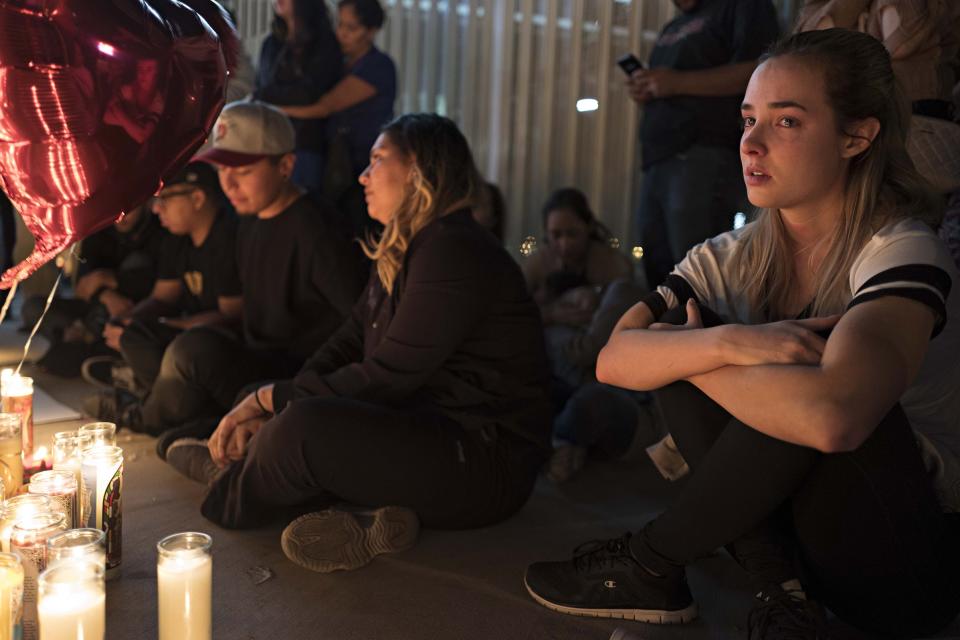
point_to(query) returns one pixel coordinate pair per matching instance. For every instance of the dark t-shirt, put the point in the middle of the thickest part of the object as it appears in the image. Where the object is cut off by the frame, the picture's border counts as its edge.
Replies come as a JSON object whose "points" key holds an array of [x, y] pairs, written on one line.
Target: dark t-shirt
{"points": [[207, 272], [133, 256], [286, 79], [301, 274], [364, 120], [716, 33]]}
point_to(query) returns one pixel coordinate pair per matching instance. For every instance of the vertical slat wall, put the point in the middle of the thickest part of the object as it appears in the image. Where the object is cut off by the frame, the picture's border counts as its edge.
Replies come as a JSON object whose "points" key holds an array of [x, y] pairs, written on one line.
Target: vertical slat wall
{"points": [[510, 72]]}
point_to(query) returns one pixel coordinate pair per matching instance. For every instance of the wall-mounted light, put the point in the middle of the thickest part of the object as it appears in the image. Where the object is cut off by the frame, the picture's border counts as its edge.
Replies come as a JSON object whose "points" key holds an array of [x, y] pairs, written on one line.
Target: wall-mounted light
{"points": [[587, 104]]}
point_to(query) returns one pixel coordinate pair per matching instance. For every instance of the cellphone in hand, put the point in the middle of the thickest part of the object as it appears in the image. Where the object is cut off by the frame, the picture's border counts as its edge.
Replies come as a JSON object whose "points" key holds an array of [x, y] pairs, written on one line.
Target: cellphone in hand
{"points": [[629, 64]]}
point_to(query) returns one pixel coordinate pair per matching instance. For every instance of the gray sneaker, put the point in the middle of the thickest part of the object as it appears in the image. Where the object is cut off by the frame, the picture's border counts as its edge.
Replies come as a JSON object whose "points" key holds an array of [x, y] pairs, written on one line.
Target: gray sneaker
{"points": [[191, 457], [333, 540]]}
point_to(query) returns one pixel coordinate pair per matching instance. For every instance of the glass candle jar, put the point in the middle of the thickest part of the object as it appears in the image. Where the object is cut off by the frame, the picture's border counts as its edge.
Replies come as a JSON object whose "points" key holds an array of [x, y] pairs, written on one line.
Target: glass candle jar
{"points": [[61, 488], [68, 449], [72, 601], [185, 586], [11, 596], [78, 543], [20, 508], [101, 434], [29, 541], [17, 394], [102, 470], [11, 446]]}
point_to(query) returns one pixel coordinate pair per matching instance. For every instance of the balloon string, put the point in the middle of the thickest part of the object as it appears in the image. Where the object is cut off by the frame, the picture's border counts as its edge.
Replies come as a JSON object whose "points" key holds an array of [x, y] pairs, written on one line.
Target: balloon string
{"points": [[6, 303], [36, 327]]}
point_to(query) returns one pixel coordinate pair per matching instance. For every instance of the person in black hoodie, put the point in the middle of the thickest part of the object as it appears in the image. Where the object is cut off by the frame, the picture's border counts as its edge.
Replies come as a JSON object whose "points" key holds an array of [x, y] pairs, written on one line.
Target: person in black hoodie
{"points": [[430, 403], [300, 61]]}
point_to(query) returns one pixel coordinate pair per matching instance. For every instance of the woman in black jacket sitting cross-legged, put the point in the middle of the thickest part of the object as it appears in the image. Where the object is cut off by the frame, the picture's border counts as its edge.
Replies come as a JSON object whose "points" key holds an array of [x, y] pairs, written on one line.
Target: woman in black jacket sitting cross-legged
{"points": [[430, 403]]}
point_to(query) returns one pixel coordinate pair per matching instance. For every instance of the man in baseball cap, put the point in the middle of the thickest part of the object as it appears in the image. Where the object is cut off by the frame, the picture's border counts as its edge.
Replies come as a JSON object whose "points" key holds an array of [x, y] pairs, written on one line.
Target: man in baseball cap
{"points": [[300, 271], [247, 132], [197, 285]]}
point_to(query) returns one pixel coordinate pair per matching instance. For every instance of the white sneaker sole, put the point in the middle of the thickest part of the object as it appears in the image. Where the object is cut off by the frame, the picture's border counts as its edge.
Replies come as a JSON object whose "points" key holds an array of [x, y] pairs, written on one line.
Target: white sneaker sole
{"points": [[331, 540], [651, 616]]}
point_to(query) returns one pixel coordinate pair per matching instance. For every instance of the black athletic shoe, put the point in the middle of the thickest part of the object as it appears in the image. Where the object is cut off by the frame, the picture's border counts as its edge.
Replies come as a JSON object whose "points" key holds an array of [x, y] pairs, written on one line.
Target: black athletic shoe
{"points": [[785, 615], [117, 406], [604, 580]]}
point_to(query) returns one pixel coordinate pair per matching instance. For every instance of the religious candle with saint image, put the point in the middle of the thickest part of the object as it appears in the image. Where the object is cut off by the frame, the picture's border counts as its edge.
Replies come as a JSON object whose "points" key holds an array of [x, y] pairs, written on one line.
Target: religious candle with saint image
{"points": [[29, 541], [17, 394], [61, 488], [102, 470]]}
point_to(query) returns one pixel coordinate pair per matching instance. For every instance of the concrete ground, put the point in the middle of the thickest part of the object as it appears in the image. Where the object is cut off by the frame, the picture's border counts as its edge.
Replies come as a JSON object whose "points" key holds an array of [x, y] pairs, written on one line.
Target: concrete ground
{"points": [[461, 585]]}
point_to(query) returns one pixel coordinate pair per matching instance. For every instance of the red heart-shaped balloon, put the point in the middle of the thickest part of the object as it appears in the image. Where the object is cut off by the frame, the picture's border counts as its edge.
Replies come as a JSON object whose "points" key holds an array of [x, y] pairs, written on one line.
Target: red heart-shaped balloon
{"points": [[99, 101]]}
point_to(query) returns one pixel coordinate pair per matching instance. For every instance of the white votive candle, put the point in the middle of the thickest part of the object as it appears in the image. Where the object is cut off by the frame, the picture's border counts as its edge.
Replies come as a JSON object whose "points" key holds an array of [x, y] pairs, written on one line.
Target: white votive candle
{"points": [[20, 508], [90, 544], [11, 596], [100, 434], [72, 600], [11, 458], [184, 586], [68, 448], [17, 393]]}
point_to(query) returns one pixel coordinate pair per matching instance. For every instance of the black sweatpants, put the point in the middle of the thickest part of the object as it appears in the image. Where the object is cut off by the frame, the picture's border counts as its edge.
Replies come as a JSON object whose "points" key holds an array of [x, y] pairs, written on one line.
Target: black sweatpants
{"points": [[142, 344], [200, 373], [862, 529], [321, 451]]}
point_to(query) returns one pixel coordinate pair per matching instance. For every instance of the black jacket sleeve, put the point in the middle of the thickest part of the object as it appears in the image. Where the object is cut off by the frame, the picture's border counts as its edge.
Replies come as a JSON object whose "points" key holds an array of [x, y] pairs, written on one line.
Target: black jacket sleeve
{"points": [[442, 300], [344, 347]]}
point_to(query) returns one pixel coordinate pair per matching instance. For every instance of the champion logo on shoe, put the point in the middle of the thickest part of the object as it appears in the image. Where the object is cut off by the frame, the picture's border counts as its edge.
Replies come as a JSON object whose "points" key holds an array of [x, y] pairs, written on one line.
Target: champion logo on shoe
{"points": [[610, 584]]}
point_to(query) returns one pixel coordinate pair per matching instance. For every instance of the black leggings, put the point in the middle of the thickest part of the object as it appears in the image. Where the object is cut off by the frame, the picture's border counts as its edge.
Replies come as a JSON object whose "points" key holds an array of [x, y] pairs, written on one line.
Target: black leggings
{"points": [[863, 530], [325, 450]]}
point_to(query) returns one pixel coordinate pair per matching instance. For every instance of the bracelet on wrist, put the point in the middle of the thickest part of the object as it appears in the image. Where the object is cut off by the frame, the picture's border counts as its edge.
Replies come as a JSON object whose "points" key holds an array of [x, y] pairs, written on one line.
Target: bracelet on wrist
{"points": [[256, 395]]}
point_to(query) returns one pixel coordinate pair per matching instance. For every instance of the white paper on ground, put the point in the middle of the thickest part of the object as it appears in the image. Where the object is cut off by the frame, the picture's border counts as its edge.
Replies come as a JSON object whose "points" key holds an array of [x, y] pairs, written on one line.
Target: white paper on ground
{"points": [[47, 410]]}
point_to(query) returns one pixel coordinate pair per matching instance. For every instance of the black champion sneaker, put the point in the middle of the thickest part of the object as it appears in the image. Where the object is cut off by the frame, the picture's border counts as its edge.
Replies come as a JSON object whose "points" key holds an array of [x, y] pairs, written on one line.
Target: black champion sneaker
{"points": [[604, 580], [779, 614]]}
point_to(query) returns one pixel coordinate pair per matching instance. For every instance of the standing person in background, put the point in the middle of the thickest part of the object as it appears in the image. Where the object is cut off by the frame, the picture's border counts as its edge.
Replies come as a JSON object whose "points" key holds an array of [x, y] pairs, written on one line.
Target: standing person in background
{"points": [[691, 96], [299, 62], [356, 108]]}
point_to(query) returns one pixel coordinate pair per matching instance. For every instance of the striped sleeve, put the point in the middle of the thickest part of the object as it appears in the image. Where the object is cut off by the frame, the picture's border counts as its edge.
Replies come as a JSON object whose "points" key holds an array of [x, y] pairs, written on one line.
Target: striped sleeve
{"points": [[673, 293], [910, 264], [703, 275]]}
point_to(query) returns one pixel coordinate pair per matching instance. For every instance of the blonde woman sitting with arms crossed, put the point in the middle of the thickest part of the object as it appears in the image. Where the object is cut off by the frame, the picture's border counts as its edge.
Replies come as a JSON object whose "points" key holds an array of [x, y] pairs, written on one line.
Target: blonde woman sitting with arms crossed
{"points": [[801, 417]]}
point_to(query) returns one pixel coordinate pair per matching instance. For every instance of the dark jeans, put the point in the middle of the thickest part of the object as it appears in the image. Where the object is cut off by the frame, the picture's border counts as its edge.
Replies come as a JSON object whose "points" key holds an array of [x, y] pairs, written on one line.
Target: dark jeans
{"points": [[684, 200], [862, 529], [320, 451], [601, 417], [142, 345], [200, 373]]}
